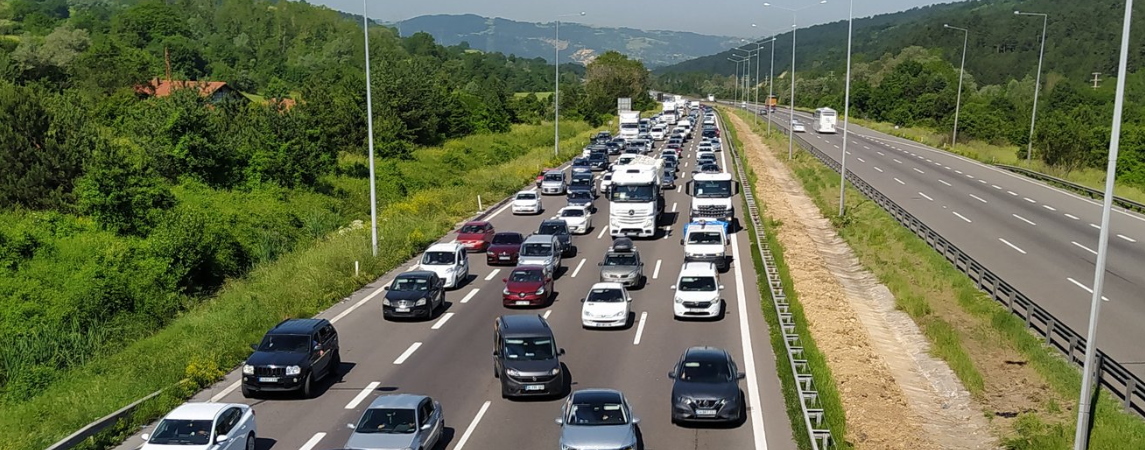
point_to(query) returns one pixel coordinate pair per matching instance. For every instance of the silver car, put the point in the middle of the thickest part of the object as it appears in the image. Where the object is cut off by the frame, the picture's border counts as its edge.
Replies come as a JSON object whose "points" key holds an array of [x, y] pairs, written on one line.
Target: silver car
{"points": [[400, 421], [622, 264], [541, 250], [597, 418]]}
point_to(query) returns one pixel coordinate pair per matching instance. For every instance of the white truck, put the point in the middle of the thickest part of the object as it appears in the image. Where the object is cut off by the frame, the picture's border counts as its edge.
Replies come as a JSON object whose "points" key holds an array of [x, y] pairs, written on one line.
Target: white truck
{"points": [[694, 104], [711, 97], [712, 196], [629, 124], [669, 112], [706, 241], [637, 203]]}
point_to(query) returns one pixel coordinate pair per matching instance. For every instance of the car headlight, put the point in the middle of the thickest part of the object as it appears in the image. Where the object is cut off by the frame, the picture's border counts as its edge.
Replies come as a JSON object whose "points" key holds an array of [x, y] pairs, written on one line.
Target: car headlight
{"points": [[293, 370], [506, 291], [385, 302], [513, 372], [679, 300], [420, 302], [684, 400], [248, 369], [620, 314], [541, 290], [555, 371]]}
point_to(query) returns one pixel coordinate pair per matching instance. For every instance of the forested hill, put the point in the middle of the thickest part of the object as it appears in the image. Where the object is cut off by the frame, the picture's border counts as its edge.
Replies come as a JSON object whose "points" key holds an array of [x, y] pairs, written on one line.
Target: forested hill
{"points": [[1082, 38]]}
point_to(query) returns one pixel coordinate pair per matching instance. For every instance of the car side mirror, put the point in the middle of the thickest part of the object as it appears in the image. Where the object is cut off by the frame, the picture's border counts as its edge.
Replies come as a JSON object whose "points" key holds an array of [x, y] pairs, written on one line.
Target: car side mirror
{"points": [[584, 300], [426, 427], [672, 374], [673, 287], [496, 353], [145, 436], [740, 376], [504, 280], [561, 352], [220, 438], [681, 241], [560, 421], [350, 426], [386, 287], [721, 287], [601, 264], [254, 347], [635, 420]]}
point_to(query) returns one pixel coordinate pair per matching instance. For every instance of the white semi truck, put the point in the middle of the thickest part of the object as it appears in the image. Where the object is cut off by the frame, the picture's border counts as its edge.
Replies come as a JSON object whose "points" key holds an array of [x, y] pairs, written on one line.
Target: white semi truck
{"points": [[629, 124], [669, 112], [712, 196], [635, 195]]}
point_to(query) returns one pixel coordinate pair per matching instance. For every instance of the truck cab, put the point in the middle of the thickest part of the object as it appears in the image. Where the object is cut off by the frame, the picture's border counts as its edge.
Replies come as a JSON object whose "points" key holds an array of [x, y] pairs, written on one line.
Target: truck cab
{"points": [[712, 196], [636, 201], [706, 241]]}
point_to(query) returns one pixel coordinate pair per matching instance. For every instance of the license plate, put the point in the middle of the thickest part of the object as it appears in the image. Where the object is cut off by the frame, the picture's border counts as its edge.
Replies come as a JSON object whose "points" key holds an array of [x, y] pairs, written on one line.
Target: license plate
{"points": [[503, 257], [267, 379], [706, 412], [403, 309], [535, 387], [522, 302]]}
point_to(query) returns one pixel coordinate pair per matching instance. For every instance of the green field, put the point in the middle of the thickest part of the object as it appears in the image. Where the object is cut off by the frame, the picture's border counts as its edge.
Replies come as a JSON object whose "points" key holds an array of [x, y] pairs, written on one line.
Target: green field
{"points": [[542, 96]]}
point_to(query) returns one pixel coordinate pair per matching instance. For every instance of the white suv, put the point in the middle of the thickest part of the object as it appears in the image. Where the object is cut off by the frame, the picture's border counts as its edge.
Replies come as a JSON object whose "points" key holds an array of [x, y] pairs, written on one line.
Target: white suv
{"points": [[527, 202], [697, 291], [449, 261]]}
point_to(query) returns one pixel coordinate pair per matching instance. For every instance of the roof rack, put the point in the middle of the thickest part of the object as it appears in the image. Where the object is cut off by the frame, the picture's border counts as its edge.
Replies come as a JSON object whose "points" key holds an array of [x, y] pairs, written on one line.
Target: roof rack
{"points": [[622, 244]]}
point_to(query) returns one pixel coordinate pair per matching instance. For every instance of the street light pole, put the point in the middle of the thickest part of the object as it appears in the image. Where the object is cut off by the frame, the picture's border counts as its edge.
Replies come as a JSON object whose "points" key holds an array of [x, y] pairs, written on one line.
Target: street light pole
{"points": [[791, 115], [770, 84], [557, 87], [846, 113], [1081, 436], [735, 87], [961, 70], [1037, 81], [370, 134]]}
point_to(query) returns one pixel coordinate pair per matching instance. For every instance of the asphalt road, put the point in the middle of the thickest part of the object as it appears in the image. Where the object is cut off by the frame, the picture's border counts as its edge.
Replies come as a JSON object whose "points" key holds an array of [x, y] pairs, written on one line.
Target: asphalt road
{"points": [[448, 358], [1040, 239]]}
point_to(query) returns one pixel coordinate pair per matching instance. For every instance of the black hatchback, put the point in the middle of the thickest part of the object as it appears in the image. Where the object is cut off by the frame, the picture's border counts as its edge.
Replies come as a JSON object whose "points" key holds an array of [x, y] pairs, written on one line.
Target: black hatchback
{"points": [[291, 357], [706, 387], [414, 294]]}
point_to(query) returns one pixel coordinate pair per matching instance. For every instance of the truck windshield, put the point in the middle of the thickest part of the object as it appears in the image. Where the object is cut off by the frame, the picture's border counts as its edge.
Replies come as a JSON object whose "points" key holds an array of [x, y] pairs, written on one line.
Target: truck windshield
{"points": [[713, 189], [634, 194]]}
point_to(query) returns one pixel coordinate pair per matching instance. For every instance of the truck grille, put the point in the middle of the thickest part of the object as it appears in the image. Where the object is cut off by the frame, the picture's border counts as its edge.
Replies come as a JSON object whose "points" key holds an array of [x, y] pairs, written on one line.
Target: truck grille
{"points": [[711, 211]]}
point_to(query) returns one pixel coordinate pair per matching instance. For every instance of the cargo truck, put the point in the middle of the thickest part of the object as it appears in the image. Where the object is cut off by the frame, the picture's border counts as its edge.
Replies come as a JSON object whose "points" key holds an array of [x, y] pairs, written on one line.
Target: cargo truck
{"points": [[629, 124], [712, 196], [636, 201]]}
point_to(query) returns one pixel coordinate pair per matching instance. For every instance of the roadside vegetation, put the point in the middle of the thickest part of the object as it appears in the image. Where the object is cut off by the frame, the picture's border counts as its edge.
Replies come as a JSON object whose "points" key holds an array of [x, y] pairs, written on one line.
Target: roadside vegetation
{"points": [[828, 391], [1029, 390]]}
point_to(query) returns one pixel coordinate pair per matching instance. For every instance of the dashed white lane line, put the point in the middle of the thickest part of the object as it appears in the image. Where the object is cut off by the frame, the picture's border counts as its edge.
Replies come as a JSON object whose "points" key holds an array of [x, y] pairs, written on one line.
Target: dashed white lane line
{"points": [[1071, 216], [896, 160], [1084, 247], [1051, 208], [835, 145], [1012, 193], [1015, 247], [958, 172], [981, 181], [547, 314], [925, 196], [492, 274], [225, 392], [1023, 219], [1095, 226], [656, 271], [406, 354], [362, 395], [472, 426], [470, 295], [995, 186], [881, 153], [313, 442], [602, 231], [916, 169], [578, 266], [673, 207], [441, 322], [960, 216], [679, 189], [868, 148], [900, 181], [1127, 238], [978, 198], [1085, 288], [970, 176], [667, 231], [640, 328], [947, 167], [861, 160], [360, 303], [1030, 200], [878, 169], [944, 182]]}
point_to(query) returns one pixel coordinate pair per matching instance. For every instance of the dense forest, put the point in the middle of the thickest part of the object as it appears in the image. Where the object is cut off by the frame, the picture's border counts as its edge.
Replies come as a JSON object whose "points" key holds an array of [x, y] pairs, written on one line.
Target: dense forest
{"points": [[127, 198], [896, 81]]}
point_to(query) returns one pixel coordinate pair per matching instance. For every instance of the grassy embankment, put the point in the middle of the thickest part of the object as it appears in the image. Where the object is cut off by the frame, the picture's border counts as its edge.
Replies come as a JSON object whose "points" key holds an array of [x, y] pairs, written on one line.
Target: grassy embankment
{"points": [[542, 96], [198, 347], [963, 325], [828, 394]]}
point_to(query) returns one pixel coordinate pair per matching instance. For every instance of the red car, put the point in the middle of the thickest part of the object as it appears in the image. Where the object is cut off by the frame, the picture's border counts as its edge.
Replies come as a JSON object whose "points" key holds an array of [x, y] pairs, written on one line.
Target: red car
{"points": [[541, 176], [527, 286], [476, 236], [505, 248]]}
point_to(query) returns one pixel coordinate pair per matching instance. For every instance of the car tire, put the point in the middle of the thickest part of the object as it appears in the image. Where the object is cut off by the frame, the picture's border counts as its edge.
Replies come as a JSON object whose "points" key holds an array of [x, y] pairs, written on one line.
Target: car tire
{"points": [[247, 393], [250, 441], [308, 386], [335, 363], [496, 374]]}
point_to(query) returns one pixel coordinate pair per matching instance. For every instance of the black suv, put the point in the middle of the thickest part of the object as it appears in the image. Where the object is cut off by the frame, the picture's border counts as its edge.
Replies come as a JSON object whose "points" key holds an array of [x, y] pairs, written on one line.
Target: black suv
{"points": [[417, 293], [706, 387], [560, 229], [291, 357]]}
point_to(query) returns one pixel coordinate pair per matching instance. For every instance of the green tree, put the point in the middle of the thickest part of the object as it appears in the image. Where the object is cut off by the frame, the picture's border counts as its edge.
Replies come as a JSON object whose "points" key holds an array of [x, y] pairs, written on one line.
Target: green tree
{"points": [[38, 156], [612, 76], [122, 192]]}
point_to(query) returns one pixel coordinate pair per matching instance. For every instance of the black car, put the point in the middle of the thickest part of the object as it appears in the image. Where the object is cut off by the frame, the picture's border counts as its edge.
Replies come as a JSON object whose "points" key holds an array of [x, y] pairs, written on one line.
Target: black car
{"points": [[581, 199], [598, 161], [710, 133], [708, 168], [602, 137], [560, 229], [526, 358], [580, 164], [614, 148], [706, 387], [291, 357], [582, 182], [414, 294]]}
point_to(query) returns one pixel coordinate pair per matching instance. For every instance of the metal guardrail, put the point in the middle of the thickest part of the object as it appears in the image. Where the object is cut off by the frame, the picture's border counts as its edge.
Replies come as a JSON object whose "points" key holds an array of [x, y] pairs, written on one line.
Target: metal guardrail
{"points": [[1091, 192], [1123, 384], [814, 419]]}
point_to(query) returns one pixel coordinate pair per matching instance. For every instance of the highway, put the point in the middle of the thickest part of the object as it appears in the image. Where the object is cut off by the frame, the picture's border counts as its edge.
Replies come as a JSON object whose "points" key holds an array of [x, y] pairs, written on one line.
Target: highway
{"points": [[449, 357], [1040, 239]]}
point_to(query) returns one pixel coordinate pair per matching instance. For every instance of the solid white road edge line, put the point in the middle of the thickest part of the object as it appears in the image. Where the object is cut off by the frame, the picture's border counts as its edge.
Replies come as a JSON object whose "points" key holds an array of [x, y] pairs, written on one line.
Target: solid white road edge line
{"points": [[1084, 247], [499, 211], [960, 216], [441, 322], [1015, 247], [470, 295], [656, 271], [1085, 288], [215, 398], [360, 303], [362, 395], [472, 426], [578, 266], [640, 328], [492, 274], [756, 406], [313, 441], [409, 351]]}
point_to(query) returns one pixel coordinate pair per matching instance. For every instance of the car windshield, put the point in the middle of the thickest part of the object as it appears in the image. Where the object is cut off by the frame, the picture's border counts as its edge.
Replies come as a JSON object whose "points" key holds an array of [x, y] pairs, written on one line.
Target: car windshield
{"points": [[526, 276], [580, 195], [387, 421], [712, 189], [574, 212], [705, 372], [697, 284], [607, 295], [620, 259], [580, 162], [552, 228], [633, 194], [437, 258], [410, 284], [507, 238], [596, 414], [704, 237], [473, 229], [182, 432], [554, 177], [527, 196], [529, 349], [537, 249], [291, 343]]}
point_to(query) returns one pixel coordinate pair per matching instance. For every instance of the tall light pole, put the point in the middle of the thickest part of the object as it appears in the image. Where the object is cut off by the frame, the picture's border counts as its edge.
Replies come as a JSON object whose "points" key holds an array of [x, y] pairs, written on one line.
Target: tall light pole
{"points": [[557, 86], [961, 70], [770, 84], [1037, 81], [370, 133], [791, 116], [735, 89], [744, 71], [1081, 435], [846, 112]]}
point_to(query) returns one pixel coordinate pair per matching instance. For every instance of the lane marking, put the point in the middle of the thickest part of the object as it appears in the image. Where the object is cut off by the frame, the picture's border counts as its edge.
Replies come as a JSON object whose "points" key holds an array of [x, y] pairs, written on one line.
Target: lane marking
{"points": [[673, 206], [881, 153], [896, 160], [1023, 219], [1015, 247], [978, 198], [1095, 225], [360, 303], [944, 182], [995, 186], [755, 405], [312, 442], [925, 196], [640, 328], [868, 148], [679, 189], [917, 170], [970, 176], [215, 398], [958, 172], [656, 271], [441, 322], [1071, 216], [1084, 247], [1122, 236], [1085, 288], [362, 395], [492, 274], [472, 426], [960, 216], [1030, 200], [835, 145], [861, 160], [602, 231], [547, 313], [981, 181], [667, 231], [878, 169], [470, 295], [409, 351], [1051, 208], [1012, 193], [578, 266], [900, 181]]}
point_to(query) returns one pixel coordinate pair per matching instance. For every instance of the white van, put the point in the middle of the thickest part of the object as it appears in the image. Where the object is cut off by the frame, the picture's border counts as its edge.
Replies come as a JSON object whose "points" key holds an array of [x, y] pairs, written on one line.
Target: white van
{"points": [[449, 261], [697, 291]]}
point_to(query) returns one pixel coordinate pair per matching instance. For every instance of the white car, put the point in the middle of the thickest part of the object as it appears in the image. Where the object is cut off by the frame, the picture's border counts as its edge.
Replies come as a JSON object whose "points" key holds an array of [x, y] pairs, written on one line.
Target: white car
{"points": [[449, 261], [697, 291], [607, 305], [195, 426], [578, 218], [797, 127], [606, 183], [527, 202]]}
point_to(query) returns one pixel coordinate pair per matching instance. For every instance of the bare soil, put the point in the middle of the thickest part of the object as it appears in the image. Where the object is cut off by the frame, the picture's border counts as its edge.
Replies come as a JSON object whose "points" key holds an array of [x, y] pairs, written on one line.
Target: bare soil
{"points": [[894, 393]]}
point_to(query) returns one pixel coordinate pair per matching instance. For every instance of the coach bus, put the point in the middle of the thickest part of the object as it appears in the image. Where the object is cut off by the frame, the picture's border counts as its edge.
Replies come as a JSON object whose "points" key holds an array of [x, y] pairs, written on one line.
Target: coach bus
{"points": [[823, 121]]}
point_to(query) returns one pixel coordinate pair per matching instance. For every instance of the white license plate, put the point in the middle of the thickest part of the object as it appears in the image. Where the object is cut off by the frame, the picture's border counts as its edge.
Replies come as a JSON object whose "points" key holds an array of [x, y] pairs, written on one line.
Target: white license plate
{"points": [[706, 413], [403, 309], [535, 387], [503, 257], [267, 379], [522, 302]]}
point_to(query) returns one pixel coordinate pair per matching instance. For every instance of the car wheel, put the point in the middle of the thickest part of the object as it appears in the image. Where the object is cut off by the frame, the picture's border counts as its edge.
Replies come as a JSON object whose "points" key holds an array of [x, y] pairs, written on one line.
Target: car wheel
{"points": [[308, 387], [336, 363], [495, 373], [247, 393], [250, 441]]}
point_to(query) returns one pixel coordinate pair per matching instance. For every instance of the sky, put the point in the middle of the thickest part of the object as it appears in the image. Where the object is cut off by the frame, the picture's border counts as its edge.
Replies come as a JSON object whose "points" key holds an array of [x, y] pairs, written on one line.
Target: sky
{"points": [[715, 17]]}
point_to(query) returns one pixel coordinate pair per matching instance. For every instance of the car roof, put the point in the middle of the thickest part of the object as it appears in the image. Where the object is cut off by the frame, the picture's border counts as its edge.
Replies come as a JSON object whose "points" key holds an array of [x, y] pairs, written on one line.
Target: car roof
{"points": [[197, 411], [500, 233], [416, 274], [540, 239], [607, 285], [297, 326], [476, 222], [698, 268], [553, 222], [555, 171], [595, 395], [527, 191], [580, 207], [622, 244], [704, 353], [444, 247], [403, 401], [520, 325]]}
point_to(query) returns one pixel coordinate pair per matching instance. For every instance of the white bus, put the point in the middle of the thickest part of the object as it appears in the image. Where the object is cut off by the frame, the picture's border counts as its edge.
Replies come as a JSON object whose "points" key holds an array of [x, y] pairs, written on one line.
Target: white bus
{"points": [[824, 120]]}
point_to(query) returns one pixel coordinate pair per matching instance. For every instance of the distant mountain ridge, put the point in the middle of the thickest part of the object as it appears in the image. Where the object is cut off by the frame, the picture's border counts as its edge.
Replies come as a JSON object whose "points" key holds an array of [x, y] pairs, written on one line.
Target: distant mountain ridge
{"points": [[580, 43]]}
